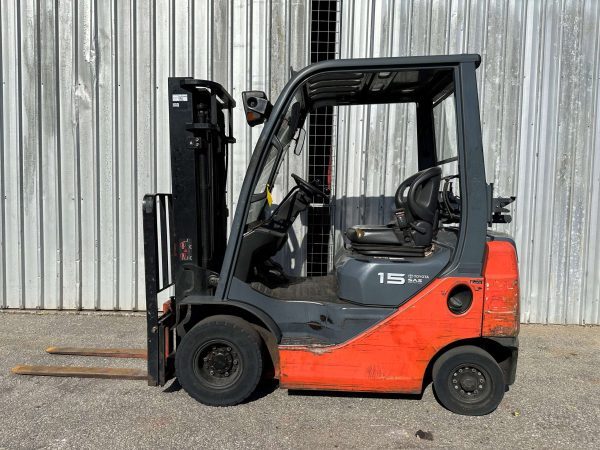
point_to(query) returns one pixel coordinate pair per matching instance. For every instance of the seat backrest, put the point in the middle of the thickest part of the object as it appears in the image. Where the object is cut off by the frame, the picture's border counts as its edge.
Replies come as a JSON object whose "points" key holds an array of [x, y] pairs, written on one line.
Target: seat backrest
{"points": [[423, 194], [402, 192], [419, 193]]}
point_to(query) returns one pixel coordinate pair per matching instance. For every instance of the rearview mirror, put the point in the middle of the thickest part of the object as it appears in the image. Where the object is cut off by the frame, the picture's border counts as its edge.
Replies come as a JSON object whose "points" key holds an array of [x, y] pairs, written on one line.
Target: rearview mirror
{"points": [[256, 106], [298, 141]]}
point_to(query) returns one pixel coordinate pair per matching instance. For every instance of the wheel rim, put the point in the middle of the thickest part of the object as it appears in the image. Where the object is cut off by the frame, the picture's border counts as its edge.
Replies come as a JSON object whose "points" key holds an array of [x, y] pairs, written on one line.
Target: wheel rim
{"points": [[218, 364], [470, 383]]}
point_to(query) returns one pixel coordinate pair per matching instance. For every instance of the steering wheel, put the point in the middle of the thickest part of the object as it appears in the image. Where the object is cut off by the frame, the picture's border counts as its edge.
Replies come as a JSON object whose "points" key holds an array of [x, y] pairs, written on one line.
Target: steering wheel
{"points": [[309, 188]]}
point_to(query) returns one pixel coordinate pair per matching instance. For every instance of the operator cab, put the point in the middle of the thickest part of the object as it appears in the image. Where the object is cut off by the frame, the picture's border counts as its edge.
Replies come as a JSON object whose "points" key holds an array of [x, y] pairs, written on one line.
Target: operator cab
{"points": [[414, 245]]}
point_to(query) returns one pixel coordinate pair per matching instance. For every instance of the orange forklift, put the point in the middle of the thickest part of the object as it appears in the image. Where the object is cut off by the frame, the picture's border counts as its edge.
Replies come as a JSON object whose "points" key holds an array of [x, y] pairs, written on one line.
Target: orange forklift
{"points": [[432, 295]]}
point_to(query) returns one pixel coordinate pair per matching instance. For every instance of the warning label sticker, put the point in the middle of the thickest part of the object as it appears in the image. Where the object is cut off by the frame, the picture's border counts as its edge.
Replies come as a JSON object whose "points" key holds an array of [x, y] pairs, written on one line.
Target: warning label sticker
{"points": [[180, 97]]}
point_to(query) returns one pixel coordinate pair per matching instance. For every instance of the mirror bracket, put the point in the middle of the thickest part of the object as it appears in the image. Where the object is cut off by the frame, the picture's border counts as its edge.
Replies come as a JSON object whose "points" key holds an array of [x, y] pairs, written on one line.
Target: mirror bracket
{"points": [[256, 106]]}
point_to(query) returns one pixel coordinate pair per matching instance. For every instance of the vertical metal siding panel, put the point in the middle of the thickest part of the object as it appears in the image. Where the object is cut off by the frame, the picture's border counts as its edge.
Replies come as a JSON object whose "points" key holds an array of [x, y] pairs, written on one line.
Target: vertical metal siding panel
{"points": [[541, 261], [590, 128], [87, 151], [364, 116], [557, 170], [31, 164], [440, 38], [162, 66], [494, 88], [376, 157], [289, 31], [69, 178], [279, 73], [298, 16], [163, 69], [181, 32], [280, 27], [356, 123], [391, 165], [369, 156], [220, 51], [562, 177], [144, 142], [3, 302], [128, 207], [381, 46], [259, 27], [11, 159], [49, 154], [528, 160], [508, 178], [420, 28], [405, 133], [203, 31], [221, 68], [242, 80], [513, 76], [108, 157], [590, 311], [340, 193], [577, 167], [447, 29]]}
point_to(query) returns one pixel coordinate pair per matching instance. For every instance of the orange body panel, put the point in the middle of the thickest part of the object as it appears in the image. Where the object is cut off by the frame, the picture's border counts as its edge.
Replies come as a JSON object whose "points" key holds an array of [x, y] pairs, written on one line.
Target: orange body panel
{"points": [[501, 304], [393, 355]]}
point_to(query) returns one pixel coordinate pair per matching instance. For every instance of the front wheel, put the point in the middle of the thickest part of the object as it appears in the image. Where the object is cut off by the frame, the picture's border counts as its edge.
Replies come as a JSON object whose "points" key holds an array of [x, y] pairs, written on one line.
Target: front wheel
{"points": [[467, 380], [219, 361]]}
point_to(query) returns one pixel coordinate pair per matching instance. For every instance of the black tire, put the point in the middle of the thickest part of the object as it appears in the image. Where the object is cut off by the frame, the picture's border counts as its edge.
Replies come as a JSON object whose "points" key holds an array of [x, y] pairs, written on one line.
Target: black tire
{"points": [[467, 380], [219, 361]]}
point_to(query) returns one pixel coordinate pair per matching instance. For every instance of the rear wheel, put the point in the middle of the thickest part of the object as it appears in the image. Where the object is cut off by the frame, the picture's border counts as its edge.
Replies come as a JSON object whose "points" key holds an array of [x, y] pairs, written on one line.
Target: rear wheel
{"points": [[219, 361], [468, 380]]}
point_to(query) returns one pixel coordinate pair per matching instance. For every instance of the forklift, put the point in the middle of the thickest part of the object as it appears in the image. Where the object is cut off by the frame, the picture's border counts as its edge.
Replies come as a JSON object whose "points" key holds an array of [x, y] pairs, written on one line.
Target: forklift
{"points": [[432, 296]]}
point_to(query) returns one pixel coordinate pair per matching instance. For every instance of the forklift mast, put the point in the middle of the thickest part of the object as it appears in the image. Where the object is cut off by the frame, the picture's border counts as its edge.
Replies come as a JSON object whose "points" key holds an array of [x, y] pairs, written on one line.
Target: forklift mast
{"points": [[199, 137], [185, 232]]}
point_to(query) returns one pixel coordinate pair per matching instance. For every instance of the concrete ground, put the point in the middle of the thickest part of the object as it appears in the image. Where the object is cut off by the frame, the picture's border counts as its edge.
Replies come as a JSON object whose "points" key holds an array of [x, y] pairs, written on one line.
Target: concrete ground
{"points": [[555, 402]]}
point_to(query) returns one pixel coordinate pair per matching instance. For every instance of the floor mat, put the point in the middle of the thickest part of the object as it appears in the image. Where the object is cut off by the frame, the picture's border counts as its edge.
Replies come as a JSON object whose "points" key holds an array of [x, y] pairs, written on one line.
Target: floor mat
{"points": [[319, 289]]}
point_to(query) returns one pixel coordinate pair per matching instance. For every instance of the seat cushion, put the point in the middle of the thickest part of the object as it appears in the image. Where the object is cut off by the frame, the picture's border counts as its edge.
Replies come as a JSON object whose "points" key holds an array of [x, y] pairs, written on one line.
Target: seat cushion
{"points": [[373, 234]]}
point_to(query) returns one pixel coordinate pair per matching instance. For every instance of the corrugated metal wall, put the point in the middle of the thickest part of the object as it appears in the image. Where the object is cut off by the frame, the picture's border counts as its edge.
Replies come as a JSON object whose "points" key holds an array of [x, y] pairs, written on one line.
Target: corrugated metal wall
{"points": [[540, 105], [84, 128]]}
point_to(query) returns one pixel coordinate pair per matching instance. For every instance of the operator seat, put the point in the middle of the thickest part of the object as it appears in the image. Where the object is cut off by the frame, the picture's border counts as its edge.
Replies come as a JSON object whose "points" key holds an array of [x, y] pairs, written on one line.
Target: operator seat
{"points": [[415, 220]]}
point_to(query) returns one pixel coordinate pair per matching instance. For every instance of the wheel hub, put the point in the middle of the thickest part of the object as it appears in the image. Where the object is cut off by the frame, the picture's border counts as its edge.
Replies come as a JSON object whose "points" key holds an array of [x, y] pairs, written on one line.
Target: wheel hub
{"points": [[468, 381], [220, 361]]}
